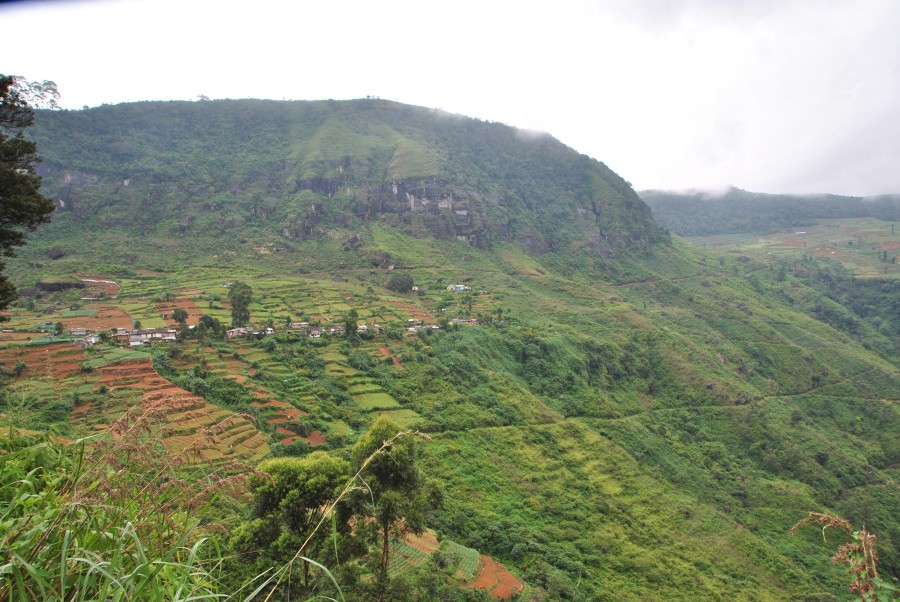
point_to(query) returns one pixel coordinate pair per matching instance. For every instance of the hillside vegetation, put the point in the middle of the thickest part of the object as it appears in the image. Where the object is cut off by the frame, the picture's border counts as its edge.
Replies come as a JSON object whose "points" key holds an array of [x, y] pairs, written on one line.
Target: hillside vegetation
{"points": [[698, 213], [298, 170], [611, 414]]}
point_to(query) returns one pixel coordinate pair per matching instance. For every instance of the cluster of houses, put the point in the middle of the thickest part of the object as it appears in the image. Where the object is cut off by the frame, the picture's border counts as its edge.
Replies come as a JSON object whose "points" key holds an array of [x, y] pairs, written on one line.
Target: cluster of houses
{"points": [[134, 338], [248, 332], [316, 332], [150, 336]]}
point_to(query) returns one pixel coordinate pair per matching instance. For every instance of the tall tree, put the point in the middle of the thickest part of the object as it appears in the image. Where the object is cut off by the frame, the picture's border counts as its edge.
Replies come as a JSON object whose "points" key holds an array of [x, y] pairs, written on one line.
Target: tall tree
{"points": [[180, 315], [240, 295], [350, 325], [22, 206], [397, 495], [289, 499]]}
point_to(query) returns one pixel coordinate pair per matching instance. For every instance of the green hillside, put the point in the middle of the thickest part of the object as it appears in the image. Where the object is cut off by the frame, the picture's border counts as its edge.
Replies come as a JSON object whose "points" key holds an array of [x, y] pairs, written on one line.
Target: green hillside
{"points": [[736, 211], [631, 417], [302, 169]]}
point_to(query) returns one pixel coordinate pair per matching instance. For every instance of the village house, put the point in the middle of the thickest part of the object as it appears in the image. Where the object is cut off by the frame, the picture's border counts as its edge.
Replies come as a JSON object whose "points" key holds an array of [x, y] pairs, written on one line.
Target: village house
{"points": [[237, 332], [150, 336], [421, 327], [87, 341], [315, 333], [466, 321], [78, 332], [459, 287]]}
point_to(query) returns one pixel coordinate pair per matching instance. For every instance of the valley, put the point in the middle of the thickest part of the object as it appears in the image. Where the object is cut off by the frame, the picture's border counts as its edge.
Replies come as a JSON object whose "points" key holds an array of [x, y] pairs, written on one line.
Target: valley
{"points": [[609, 413]]}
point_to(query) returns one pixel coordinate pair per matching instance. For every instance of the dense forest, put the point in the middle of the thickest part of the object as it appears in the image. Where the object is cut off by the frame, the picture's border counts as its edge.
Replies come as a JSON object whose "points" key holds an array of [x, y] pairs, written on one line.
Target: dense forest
{"points": [[736, 210], [300, 168], [474, 368]]}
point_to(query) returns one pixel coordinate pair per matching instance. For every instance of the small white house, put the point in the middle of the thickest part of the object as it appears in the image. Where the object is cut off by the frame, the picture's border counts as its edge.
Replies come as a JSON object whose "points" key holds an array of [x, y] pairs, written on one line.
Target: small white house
{"points": [[87, 341]]}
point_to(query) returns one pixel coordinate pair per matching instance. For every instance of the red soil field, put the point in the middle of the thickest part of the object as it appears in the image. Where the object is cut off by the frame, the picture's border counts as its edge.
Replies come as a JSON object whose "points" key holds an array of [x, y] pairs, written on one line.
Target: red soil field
{"points": [[17, 336], [496, 580], [315, 438], [106, 318], [54, 361], [387, 352], [207, 431], [188, 305]]}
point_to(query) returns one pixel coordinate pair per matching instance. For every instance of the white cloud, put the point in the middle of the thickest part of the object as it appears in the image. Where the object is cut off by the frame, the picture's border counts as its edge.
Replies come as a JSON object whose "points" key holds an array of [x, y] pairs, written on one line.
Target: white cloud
{"points": [[776, 96]]}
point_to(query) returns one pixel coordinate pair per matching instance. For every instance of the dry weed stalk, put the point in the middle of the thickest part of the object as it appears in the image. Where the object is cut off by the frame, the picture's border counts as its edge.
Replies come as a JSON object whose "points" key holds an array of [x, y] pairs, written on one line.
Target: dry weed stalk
{"points": [[860, 554], [127, 467]]}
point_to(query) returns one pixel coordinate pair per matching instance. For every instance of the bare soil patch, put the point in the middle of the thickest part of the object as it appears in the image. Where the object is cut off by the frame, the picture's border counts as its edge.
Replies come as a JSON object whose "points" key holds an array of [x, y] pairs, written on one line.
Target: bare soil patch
{"points": [[106, 318], [167, 308], [496, 580], [387, 353], [415, 311], [54, 361], [96, 286], [315, 438], [17, 336]]}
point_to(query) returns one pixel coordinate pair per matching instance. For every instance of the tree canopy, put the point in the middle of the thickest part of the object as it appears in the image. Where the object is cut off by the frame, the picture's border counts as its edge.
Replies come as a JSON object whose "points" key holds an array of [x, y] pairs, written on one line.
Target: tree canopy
{"points": [[400, 283], [22, 206], [240, 295]]}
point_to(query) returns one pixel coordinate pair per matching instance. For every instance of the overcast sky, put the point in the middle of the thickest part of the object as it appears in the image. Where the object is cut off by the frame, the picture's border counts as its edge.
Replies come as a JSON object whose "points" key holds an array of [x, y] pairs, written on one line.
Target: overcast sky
{"points": [[772, 96]]}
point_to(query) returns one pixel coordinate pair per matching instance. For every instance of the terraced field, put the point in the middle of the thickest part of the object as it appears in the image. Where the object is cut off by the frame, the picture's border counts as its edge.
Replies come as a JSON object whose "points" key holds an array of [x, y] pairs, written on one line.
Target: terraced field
{"points": [[474, 569], [195, 427]]}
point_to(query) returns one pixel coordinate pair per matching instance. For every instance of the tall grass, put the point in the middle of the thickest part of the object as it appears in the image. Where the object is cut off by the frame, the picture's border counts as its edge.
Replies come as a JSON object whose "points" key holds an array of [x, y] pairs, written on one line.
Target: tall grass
{"points": [[116, 518], [110, 518]]}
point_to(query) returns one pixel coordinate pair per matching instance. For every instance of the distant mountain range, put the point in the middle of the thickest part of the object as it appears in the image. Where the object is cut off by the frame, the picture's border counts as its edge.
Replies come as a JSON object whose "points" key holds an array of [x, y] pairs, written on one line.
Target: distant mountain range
{"points": [[698, 213]]}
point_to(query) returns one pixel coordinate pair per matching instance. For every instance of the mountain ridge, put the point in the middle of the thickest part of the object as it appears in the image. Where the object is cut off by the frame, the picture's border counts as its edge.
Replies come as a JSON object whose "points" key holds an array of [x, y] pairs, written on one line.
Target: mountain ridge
{"points": [[698, 212], [310, 165]]}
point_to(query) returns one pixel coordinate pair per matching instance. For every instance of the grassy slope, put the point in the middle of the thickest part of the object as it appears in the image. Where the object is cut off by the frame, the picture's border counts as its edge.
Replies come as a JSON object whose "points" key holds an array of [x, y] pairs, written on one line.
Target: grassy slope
{"points": [[652, 435]]}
